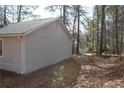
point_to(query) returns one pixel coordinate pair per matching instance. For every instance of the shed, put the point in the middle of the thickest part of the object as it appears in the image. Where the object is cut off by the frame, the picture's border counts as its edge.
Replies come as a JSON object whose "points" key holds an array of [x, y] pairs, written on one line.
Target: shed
{"points": [[31, 45]]}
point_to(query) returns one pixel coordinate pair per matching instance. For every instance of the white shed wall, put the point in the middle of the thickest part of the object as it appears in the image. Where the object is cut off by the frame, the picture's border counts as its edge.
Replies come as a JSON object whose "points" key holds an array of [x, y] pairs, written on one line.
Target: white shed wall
{"points": [[11, 59], [46, 46]]}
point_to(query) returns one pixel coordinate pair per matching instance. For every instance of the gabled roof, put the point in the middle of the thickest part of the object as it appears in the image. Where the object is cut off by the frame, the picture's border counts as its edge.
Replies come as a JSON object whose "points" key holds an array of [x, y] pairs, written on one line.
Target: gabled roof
{"points": [[25, 27]]}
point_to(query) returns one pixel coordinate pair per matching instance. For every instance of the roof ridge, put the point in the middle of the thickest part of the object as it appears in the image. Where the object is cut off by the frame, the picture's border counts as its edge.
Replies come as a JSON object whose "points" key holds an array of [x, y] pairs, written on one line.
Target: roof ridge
{"points": [[32, 20]]}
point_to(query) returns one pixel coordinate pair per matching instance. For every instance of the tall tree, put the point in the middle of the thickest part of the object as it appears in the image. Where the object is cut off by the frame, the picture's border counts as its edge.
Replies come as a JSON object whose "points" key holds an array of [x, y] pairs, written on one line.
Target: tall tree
{"points": [[64, 14], [93, 33], [102, 30], [78, 29], [15, 13], [19, 13], [5, 19], [73, 33], [97, 49], [121, 37], [116, 29]]}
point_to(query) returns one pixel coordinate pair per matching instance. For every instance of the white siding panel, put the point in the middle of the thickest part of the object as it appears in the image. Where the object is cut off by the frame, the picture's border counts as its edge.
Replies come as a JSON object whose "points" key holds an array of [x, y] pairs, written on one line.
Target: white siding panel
{"points": [[11, 59], [46, 46]]}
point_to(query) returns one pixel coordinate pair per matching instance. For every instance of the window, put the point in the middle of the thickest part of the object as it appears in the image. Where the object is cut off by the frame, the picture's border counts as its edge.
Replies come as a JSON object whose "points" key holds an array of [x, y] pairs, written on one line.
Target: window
{"points": [[1, 48]]}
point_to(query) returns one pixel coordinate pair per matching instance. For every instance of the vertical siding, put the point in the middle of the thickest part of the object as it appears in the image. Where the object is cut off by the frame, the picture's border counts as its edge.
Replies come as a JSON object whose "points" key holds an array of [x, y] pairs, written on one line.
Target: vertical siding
{"points": [[46, 46], [11, 59]]}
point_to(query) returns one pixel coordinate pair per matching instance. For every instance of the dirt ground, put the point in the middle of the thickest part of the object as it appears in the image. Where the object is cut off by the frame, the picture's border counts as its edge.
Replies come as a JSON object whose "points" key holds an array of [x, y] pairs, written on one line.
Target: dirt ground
{"points": [[63, 74], [78, 71]]}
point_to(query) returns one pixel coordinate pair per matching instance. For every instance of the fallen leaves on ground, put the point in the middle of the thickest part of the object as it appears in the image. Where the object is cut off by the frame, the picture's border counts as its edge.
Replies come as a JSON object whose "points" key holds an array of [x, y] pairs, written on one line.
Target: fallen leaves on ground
{"points": [[101, 72]]}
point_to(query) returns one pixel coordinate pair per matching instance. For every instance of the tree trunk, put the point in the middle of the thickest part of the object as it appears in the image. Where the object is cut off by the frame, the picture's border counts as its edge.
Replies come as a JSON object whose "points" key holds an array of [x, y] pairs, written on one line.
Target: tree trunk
{"points": [[102, 29], [64, 14], [5, 19], [93, 35], [73, 35], [121, 44], [104, 38], [13, 14], [78, 29], [116, 29], [121, 39], [97, 50], [113, 37], [19, 13]]}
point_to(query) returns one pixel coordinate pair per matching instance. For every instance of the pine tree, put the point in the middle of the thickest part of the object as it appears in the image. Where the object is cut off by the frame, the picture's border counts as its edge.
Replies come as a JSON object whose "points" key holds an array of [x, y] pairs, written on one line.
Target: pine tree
{"points": [[97, 49], [102, 30], [19, 13]]}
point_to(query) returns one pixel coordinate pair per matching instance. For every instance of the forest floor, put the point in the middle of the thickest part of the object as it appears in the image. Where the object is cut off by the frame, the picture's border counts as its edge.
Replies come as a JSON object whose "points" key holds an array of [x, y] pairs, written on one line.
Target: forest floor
{"points": [[100, 72], [78, 71]]}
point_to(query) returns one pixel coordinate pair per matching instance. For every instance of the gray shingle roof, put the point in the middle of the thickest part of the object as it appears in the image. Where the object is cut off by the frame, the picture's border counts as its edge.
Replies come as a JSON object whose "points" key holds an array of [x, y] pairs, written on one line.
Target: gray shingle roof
{"points": [[23, 27]]}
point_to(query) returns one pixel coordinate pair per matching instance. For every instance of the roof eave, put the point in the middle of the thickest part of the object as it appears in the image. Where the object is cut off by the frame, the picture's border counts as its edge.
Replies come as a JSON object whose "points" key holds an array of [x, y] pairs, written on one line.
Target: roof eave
{"points": [[11, 35]]}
